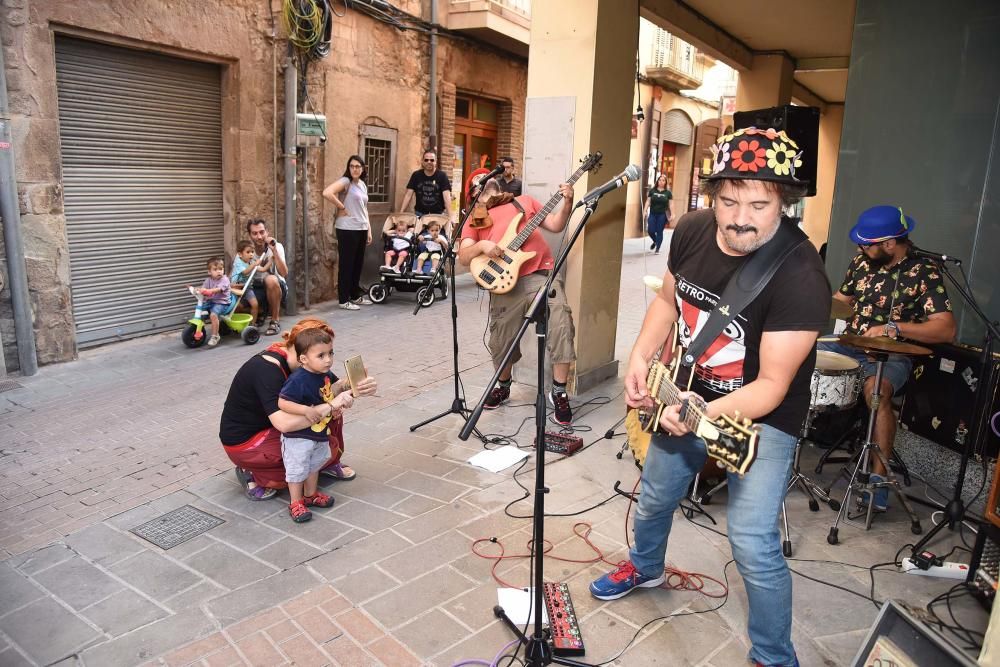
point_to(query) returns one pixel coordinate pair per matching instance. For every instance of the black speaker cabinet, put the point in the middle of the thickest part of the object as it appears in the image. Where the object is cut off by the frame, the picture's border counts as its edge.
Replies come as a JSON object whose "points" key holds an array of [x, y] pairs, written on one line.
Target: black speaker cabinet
{"points": [[800, 123], [941, 396]]}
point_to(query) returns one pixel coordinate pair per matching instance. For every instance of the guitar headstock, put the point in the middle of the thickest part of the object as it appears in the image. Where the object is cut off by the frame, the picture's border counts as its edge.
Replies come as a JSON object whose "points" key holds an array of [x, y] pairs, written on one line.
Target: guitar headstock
{"points": [[591, 161], [734, 442]]}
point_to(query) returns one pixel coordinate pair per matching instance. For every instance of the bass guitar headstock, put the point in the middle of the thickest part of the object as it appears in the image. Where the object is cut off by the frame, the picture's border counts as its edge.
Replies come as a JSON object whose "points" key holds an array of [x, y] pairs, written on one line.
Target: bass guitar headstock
{"points": [[591, 161]]}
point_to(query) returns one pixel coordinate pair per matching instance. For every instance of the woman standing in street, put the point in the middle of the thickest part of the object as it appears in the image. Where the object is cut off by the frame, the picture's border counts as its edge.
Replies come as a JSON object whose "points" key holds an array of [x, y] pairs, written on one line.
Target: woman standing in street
{"points": [[349, 196], [658, 211]]}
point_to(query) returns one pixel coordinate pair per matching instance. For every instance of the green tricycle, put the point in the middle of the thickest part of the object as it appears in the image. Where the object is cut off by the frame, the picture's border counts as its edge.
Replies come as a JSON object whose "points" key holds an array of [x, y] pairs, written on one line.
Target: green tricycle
{"points": [[194, 335]]}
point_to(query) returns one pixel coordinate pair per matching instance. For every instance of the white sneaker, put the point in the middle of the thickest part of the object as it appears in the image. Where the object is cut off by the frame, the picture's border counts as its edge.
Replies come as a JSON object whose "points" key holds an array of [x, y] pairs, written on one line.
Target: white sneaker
{"points": [[214, 340], [350, 306], [395, 269], [363, 301]]}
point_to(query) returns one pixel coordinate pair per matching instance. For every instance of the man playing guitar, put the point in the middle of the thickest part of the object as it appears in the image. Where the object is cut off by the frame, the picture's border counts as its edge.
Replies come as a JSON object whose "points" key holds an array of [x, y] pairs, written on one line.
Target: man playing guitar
{"points": [[507, 310], [758, 368]]}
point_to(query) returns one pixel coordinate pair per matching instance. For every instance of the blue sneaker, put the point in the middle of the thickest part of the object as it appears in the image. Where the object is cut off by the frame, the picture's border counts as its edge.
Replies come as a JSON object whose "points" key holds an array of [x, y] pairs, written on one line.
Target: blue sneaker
{"points": [[881, 494], [622, 581]]}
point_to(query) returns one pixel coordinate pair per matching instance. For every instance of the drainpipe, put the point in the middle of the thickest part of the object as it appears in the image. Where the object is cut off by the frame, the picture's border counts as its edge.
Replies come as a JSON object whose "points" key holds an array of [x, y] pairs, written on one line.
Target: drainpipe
{"points": [[17, 272], [433, 140], [305, 224], [291, 104]]}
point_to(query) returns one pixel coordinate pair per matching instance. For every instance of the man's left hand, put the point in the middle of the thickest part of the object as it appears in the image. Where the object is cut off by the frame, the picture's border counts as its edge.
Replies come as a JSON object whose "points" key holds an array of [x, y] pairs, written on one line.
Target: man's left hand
{"points": [[874, 331], [670, 418]]}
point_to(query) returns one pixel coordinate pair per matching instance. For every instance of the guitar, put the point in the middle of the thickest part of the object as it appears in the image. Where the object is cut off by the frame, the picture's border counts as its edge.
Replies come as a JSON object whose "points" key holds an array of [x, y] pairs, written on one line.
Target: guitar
{"points": [[730, 440], [500, 274]]}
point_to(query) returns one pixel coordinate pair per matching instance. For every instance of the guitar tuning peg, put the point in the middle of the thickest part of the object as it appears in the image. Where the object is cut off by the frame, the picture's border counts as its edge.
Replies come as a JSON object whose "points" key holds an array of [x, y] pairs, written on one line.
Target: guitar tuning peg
{"points": [[737, 415], [747, 422]]}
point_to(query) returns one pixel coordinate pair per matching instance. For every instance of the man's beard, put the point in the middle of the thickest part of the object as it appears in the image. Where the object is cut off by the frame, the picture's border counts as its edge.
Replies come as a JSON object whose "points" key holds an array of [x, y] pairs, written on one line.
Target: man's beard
{"points": [[745, 238], [881, 259]]}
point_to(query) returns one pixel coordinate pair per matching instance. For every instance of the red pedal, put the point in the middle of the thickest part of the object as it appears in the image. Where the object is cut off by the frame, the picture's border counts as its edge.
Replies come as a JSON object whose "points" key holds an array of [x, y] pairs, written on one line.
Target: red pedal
{"points": [[561, 443], [564, 630]]}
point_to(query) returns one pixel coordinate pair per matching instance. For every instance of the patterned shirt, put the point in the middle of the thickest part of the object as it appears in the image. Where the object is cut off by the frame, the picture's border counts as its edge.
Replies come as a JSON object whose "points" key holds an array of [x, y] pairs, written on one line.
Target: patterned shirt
{"points": [[913, 289]]}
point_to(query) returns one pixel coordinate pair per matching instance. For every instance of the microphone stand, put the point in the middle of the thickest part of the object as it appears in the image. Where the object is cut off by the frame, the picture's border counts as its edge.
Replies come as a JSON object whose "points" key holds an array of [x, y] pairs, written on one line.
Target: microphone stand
{"points": [[458, 401], [538, 652], [955, 510]]}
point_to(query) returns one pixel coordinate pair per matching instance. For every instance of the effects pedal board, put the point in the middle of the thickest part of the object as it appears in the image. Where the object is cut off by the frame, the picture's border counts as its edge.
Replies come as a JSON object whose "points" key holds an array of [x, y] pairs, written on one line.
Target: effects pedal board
{"points": [[563, 627], [985, 567], [562, 443]]}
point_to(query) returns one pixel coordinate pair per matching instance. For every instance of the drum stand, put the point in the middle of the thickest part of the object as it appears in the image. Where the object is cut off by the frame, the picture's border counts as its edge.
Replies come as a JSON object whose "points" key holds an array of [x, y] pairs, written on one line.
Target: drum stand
{"points": [[860, 485], [807, 486]]}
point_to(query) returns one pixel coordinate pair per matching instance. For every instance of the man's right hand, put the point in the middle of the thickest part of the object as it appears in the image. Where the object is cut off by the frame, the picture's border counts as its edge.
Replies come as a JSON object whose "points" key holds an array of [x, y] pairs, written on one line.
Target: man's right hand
{"points": [[489, 248], [636, 394]]}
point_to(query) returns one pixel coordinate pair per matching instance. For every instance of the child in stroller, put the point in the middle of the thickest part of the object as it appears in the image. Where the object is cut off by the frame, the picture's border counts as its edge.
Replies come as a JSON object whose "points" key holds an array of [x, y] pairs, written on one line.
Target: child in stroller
{"points": [[415, 271]]}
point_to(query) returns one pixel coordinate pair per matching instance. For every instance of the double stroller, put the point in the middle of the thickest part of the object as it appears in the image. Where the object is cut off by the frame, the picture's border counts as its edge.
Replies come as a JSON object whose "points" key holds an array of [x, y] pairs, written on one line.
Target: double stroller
{"points": [[409, 279]]}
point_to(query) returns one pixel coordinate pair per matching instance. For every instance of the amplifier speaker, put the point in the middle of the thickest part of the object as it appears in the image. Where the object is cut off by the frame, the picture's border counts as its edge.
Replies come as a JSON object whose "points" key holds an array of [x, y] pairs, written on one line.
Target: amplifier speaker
{"points": [[941, 396], [800, 123]]}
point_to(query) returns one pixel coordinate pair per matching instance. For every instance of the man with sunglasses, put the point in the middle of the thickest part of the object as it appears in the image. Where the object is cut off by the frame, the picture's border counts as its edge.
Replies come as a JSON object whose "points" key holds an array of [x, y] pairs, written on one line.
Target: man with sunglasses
{"points": [[894, 294], [429, 187]]}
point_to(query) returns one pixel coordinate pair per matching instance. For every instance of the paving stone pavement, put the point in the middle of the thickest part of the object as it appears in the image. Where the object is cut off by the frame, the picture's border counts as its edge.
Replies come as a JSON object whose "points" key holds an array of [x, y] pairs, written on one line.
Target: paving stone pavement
{"points": [[94, 448]]}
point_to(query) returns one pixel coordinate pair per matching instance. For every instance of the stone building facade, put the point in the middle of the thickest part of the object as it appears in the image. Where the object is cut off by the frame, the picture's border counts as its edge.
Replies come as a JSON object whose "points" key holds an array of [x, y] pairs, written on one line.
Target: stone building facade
{"points": [[375, 82]]}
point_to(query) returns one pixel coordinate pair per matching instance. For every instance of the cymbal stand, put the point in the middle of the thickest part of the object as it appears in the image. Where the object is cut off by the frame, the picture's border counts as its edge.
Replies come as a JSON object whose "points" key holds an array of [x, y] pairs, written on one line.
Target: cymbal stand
{"points": [[807, 486], [859, 484]]}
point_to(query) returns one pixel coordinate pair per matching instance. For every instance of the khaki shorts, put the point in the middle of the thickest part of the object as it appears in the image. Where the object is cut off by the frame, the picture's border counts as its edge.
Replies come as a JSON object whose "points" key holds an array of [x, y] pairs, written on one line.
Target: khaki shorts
{"points": [[507, 314]]}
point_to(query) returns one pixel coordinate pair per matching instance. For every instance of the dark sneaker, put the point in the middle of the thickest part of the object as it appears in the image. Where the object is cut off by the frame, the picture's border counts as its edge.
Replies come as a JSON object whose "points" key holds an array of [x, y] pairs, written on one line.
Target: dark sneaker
{"points": [[881, 494], [560, 401], [497, 397], [318, 499], [622, 581], [299, 512]]}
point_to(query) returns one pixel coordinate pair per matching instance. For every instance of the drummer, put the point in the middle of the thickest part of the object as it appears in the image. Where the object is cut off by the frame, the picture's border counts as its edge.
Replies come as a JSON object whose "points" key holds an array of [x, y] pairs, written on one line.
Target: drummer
{"points": [[893, 294]]}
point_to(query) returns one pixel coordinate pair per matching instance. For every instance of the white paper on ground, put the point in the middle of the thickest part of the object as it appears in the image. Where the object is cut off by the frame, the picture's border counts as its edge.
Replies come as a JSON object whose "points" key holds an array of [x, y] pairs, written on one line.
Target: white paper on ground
{"points": [[516, 603], [496, 460]]}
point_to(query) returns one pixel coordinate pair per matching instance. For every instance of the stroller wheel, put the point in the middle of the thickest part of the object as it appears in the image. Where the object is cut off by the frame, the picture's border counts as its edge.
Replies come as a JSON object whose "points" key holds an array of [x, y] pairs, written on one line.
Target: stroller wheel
{"points": [[250, 335], [188, 336], [425, 295], [377, 293]]}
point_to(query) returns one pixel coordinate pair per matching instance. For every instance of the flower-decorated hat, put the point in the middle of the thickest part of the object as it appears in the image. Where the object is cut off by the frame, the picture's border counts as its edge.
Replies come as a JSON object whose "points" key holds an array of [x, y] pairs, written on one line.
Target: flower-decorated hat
{"points": [[753, 153], [881, 223]]}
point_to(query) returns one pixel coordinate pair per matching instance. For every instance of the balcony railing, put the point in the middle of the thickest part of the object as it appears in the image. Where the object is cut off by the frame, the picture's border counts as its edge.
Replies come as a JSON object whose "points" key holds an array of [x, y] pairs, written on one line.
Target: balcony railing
{"points": [[674, 63], [503, 23]]}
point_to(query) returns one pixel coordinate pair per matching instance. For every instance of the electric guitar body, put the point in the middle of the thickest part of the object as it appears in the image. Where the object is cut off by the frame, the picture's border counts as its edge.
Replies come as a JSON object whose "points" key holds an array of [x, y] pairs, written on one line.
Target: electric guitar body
{"points": [[500, 274]]}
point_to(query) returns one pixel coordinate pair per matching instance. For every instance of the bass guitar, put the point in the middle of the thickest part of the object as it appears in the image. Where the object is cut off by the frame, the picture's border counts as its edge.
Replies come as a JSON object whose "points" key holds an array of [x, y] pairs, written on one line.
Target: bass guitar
{"points": [[730, 440], [499, 274]]}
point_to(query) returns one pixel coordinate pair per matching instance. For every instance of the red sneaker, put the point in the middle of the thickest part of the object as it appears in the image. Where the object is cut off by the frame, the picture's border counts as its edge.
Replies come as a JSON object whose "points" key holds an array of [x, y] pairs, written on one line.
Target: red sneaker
{"points": [[299, 512], [318, 499]]}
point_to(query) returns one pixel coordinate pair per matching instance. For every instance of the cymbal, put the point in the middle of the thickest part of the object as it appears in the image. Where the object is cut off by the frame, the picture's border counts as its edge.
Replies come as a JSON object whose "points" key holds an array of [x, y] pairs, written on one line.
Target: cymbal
{"points": [[840, 310], [882, 344]]}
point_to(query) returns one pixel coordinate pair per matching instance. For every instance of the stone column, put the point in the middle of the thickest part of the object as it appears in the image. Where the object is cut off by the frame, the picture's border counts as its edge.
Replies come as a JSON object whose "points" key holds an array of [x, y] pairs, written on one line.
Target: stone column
{"points": [[581, 74], [767, 84]]}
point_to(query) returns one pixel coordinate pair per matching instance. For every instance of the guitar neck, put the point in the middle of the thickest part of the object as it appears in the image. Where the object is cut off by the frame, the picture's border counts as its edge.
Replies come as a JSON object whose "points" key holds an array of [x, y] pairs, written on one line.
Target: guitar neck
{"points": [[669, 394], [539, 217]]}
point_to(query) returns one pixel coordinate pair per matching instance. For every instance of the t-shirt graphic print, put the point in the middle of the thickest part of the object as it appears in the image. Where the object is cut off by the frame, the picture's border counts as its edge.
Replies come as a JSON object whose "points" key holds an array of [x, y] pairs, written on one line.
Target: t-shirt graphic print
{"points": [[721, 366]]}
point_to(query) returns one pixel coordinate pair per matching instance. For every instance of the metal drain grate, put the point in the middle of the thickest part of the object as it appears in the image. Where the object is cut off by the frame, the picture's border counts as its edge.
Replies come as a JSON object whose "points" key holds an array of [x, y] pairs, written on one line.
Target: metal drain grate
{"points": [[177, 526], [7, 385]]}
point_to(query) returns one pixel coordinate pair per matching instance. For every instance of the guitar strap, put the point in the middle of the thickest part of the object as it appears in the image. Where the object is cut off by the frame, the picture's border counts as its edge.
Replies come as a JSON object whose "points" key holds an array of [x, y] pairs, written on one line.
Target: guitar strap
{"points": [[745, 285]]}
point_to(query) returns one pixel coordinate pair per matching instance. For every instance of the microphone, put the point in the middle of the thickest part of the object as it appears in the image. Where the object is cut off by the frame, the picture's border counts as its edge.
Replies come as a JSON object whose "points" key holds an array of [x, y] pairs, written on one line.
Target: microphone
{"points": [[493, 174], [937, 257], [630, 174]]}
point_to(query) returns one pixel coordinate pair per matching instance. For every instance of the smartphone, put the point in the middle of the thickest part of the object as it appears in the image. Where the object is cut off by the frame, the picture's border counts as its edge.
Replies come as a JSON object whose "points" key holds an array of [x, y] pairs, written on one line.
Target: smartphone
{"points": [[355, 373]]}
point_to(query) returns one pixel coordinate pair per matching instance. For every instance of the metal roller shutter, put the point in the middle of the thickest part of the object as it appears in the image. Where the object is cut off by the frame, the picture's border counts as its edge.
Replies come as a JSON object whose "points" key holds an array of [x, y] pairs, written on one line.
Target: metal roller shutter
{"points": [[677, 127], [141, 140]]}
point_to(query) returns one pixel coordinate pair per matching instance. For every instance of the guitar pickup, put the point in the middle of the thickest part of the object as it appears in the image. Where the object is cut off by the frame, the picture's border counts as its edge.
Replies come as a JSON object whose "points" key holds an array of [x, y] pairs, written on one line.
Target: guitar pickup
{"points": [[487, 276]]}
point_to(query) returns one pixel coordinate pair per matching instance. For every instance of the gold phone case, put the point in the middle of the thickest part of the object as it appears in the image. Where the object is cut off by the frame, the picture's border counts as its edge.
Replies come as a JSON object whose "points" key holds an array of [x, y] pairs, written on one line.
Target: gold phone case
{"points": [[355, 372]]}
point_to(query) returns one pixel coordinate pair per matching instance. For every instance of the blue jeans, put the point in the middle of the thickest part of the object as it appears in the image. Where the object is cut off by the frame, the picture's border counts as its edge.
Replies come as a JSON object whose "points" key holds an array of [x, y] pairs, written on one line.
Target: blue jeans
{"points": [[754, 505], [655, 224], [896, 370]]}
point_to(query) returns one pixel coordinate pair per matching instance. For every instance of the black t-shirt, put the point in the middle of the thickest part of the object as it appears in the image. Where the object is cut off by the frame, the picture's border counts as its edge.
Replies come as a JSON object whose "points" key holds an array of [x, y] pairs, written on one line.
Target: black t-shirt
{"points": [[253, 396], [428, 191], [796, 299], [514, 187]]}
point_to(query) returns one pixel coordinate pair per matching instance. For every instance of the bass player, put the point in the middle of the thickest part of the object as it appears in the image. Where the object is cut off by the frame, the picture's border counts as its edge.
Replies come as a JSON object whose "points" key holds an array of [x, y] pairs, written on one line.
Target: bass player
{"points": [[759, 367], [479, 238]]}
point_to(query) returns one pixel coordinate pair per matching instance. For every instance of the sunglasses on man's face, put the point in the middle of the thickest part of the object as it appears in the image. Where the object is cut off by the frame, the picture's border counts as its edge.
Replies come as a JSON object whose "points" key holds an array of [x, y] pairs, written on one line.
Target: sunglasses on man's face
{"points": [[431, 160]]}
